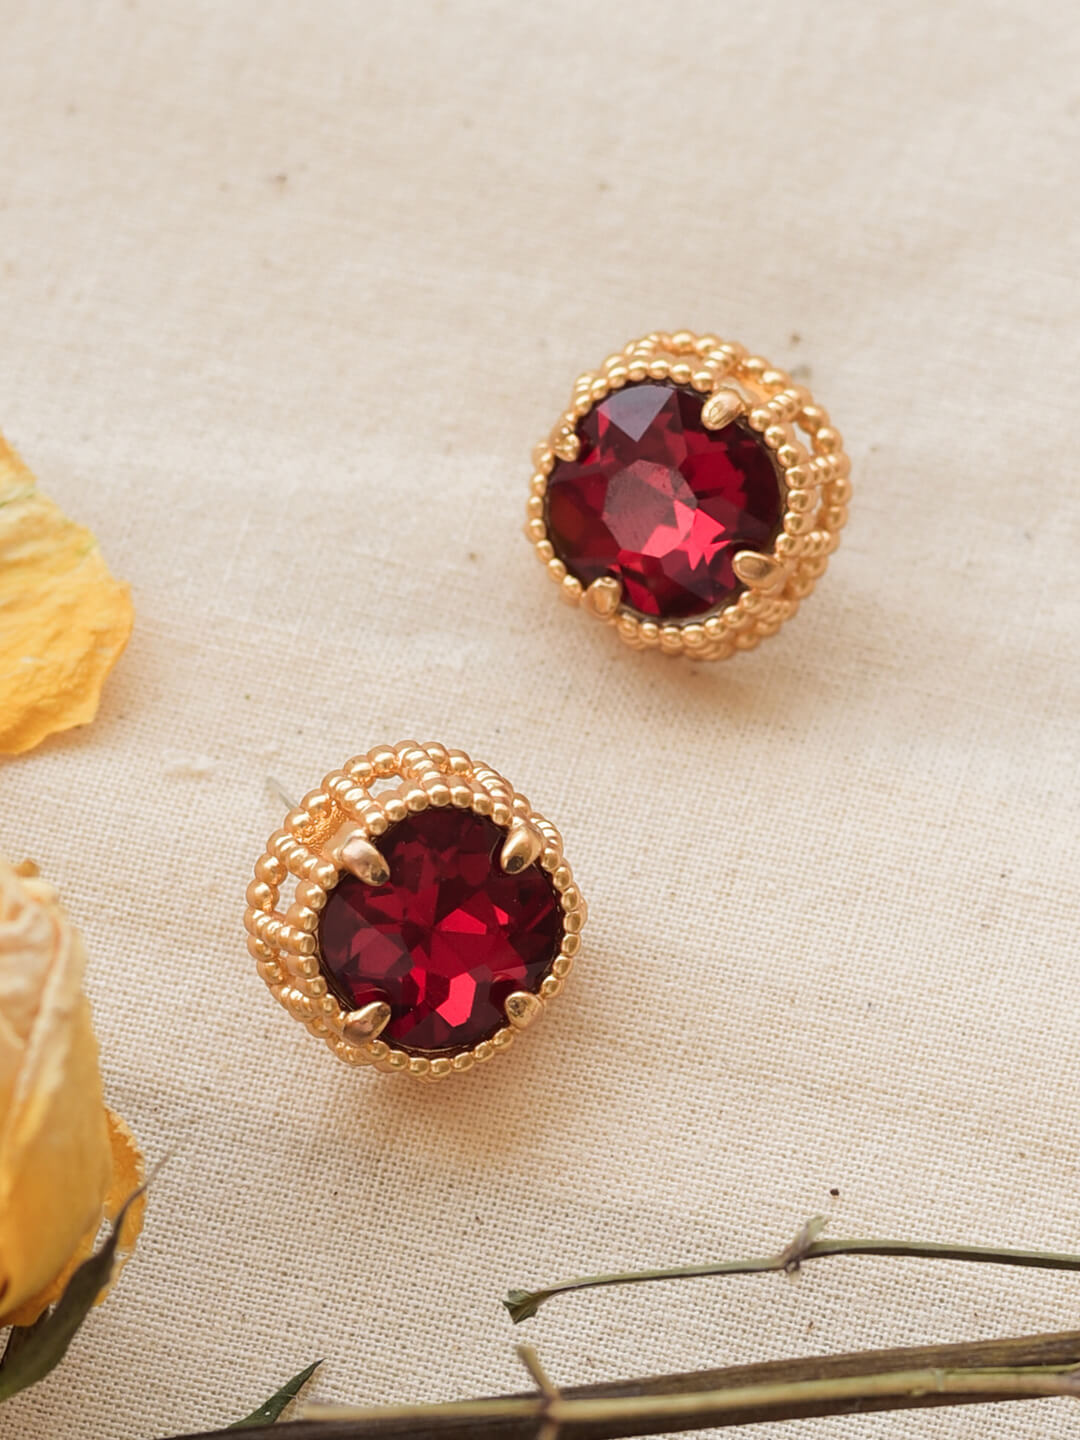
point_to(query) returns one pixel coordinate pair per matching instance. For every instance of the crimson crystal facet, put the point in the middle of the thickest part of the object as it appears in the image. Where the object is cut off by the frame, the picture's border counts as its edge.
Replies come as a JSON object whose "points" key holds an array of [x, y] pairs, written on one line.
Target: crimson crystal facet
{"points": [[447, 938], [657, 501]]}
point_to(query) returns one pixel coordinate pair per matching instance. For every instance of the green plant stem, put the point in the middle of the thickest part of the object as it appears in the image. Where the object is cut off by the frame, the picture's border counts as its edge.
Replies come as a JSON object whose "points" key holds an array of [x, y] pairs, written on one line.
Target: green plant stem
{"points": [[1020, 1368], [708, 1407], [523, 1304]]}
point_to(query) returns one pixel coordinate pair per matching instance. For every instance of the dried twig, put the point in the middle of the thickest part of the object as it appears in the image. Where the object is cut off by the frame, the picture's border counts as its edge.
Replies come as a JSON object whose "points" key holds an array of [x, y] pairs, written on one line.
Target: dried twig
{"points": [[549, 1424], [523, 1304], [1020, 1368]]}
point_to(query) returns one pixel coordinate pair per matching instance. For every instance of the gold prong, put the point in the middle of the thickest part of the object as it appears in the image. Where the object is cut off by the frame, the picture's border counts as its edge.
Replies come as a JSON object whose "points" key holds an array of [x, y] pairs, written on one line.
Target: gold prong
{"points": [[522, 1008], [722, 408], [524, 846], [603, 597], [760, 572], [353, 851], [567, 446], [367, 1023]]}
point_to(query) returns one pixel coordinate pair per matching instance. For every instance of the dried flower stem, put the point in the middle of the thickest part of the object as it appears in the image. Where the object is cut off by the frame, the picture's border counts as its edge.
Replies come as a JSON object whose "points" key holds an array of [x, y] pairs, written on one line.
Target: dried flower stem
{"points": [[1021, 1368], [523, 1304]]}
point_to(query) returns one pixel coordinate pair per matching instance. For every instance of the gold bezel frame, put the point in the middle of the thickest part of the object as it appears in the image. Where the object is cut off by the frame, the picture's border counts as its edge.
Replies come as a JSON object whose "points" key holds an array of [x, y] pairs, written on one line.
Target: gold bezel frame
{"points": [[816, 485], [334, 831]]}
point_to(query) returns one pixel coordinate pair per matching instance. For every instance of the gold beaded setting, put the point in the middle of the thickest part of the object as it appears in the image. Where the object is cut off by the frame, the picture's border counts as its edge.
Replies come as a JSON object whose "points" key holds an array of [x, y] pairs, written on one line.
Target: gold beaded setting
{"points": [[347, 813], [814, 475]]}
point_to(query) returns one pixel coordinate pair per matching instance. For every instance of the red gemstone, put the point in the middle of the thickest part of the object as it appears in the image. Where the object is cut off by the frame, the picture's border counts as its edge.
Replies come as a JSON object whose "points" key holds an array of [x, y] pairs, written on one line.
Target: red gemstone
{"points": [[447, 938], [662, 504]]}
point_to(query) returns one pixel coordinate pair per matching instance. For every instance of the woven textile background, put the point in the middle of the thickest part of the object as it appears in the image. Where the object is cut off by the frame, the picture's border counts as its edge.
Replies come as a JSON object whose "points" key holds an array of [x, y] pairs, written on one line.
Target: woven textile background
{"points": [[288, 294]]}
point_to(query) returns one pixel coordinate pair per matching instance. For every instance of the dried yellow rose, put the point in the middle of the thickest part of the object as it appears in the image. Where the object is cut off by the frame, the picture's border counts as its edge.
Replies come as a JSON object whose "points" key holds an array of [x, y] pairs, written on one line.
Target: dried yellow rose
{"points": [[64, 1159], [63, 618]]}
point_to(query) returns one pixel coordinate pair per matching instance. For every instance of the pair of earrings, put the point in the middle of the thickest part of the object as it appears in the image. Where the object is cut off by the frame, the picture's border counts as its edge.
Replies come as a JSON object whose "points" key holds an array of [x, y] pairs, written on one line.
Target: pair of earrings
{"points": [[415, 912]]}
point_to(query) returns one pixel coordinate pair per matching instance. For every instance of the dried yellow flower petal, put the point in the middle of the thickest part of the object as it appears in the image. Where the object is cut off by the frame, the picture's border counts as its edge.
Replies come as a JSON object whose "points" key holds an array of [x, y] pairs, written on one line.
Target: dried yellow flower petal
{"points": [[64, 620], [64, 1161], [128, 1173]]}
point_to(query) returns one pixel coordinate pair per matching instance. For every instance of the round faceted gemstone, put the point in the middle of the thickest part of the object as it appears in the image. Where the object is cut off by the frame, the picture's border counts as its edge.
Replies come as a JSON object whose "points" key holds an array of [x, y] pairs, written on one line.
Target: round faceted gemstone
{"points": [[447, 938], [662, 504]]}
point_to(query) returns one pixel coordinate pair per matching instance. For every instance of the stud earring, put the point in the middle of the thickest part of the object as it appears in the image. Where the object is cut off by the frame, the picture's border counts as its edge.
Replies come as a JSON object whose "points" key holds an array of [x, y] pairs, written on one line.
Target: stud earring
{"points": [[675, 500], [432, 916]]}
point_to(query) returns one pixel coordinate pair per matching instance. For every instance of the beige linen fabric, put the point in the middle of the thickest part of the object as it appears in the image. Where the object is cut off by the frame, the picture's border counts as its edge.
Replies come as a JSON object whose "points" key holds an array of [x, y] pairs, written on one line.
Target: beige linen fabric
{"points": [[289, 293]]}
